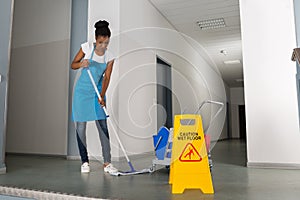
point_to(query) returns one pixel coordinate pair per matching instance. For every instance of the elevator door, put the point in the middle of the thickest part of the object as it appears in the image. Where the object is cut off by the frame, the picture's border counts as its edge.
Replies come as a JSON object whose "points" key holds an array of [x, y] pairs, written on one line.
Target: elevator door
{"points": [[38, 78]]}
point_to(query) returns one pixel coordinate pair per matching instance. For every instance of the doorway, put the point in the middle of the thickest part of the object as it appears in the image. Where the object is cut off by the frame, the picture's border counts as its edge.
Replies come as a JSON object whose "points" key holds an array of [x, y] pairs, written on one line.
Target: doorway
{"points": [[242, 122], [164, 94]]}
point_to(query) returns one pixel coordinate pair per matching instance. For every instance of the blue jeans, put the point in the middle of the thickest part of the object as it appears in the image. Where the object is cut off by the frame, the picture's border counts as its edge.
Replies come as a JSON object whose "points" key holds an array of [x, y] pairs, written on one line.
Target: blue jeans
{"points": [[104, 139]]}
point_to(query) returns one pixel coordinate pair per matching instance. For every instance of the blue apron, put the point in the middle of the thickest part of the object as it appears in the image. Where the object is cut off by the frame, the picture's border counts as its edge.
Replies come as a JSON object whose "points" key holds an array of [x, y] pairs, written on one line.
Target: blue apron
{"points": [[85, 104]]}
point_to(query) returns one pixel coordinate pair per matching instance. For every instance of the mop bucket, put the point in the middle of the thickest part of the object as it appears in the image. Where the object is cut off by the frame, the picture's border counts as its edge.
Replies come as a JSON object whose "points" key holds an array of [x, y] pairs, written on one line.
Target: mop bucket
{"points": [[160, 142], [163, 140]]}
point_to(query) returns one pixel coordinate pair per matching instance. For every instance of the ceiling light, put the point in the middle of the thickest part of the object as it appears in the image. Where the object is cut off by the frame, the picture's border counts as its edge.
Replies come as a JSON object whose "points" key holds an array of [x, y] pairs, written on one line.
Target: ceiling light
{"points": [[224, 52], [211, 23], [230, 62]]}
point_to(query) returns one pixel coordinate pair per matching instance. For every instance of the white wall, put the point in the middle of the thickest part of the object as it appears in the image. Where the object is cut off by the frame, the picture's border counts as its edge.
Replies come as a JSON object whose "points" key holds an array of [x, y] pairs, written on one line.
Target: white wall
{"points": [[225, 134], [268, 36], [237, 96], [144, 34], [193, 80]]}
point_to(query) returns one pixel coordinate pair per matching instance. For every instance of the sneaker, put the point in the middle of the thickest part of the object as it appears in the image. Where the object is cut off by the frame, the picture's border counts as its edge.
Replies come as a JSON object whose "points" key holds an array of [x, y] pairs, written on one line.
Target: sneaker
{"points": [[110, 169], [85, 167]]}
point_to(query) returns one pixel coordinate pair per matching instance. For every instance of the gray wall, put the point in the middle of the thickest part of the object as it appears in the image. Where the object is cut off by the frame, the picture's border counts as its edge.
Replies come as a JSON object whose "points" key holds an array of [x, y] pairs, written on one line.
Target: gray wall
{"points": [[79, 28], [297, 22], [39, 77], [5, 34], [297, 19]]}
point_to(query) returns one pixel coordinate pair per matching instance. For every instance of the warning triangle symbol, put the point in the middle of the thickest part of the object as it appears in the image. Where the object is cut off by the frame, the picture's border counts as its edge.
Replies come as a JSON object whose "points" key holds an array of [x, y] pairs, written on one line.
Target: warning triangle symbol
{"points": [[190, 154]]}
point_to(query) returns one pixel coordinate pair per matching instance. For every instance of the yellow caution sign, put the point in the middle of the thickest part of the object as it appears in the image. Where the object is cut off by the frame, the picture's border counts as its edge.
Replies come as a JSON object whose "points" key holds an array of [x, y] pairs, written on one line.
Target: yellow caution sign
{"points": [[189, 163]]}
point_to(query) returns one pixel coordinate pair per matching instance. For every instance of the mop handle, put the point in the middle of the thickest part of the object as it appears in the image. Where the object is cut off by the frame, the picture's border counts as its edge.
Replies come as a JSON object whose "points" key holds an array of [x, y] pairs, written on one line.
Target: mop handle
{"points": [[96, 90]]}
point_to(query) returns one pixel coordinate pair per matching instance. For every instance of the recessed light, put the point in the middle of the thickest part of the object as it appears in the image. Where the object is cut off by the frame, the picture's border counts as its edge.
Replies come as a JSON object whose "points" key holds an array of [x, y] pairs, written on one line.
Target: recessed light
{"points": [[211, 23], [231, 62], [224, 52]]}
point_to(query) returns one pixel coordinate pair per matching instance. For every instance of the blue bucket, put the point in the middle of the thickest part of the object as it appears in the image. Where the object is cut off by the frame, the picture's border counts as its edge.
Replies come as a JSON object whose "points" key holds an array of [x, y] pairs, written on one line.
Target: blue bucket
{"points": [[160, 142]]}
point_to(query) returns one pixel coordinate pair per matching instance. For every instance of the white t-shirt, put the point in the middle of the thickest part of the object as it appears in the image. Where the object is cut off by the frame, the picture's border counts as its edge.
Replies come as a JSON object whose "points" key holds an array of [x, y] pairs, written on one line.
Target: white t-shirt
{"points": [[87, 49]]}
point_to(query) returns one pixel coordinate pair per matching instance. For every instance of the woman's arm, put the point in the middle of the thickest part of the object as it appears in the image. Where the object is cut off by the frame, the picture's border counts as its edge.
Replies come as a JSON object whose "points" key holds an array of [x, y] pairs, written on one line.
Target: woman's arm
{"points": [[106, 80], [78, 62]]}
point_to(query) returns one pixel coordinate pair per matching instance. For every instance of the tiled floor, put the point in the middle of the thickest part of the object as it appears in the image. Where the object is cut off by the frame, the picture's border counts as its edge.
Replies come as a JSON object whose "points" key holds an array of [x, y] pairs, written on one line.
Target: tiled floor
{"points": [[232, 180]]}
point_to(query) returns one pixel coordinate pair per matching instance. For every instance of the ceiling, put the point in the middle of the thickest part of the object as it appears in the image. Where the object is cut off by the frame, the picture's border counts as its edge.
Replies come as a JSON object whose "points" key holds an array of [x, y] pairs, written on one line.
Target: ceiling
{"points": [[184, 15]]}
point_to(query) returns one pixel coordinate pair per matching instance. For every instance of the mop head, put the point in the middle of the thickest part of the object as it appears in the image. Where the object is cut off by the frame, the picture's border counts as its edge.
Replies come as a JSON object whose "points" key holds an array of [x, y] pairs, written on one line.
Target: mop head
{"points": [[120, 173]]}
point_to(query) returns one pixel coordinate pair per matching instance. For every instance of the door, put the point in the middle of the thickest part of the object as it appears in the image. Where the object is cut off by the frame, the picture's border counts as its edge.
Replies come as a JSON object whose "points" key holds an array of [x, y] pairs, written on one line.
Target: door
{"points": [[37, 117]]}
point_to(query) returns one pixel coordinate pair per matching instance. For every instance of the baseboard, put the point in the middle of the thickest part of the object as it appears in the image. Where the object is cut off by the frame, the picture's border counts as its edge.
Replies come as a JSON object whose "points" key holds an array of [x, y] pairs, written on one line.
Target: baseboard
{"points": [[138, 156], [35, 154], [273, 165], [115, 159], [92, 158], [73, 157], [3, 170], [96, 158], [225, 139]]}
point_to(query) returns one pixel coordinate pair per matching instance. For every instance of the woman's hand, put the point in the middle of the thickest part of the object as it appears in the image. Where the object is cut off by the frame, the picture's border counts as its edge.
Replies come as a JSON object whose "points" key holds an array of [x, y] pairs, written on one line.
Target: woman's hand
{"points": [[84, 63], [102, 102]]}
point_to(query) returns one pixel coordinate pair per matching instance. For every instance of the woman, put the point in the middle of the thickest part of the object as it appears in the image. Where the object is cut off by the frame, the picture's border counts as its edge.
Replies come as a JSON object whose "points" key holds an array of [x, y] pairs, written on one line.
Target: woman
{"points": [[86, 105]]}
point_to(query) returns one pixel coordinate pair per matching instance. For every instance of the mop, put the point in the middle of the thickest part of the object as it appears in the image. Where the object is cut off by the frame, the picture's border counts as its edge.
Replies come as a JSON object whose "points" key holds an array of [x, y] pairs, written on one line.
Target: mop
{"points": [[119, 173]]}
